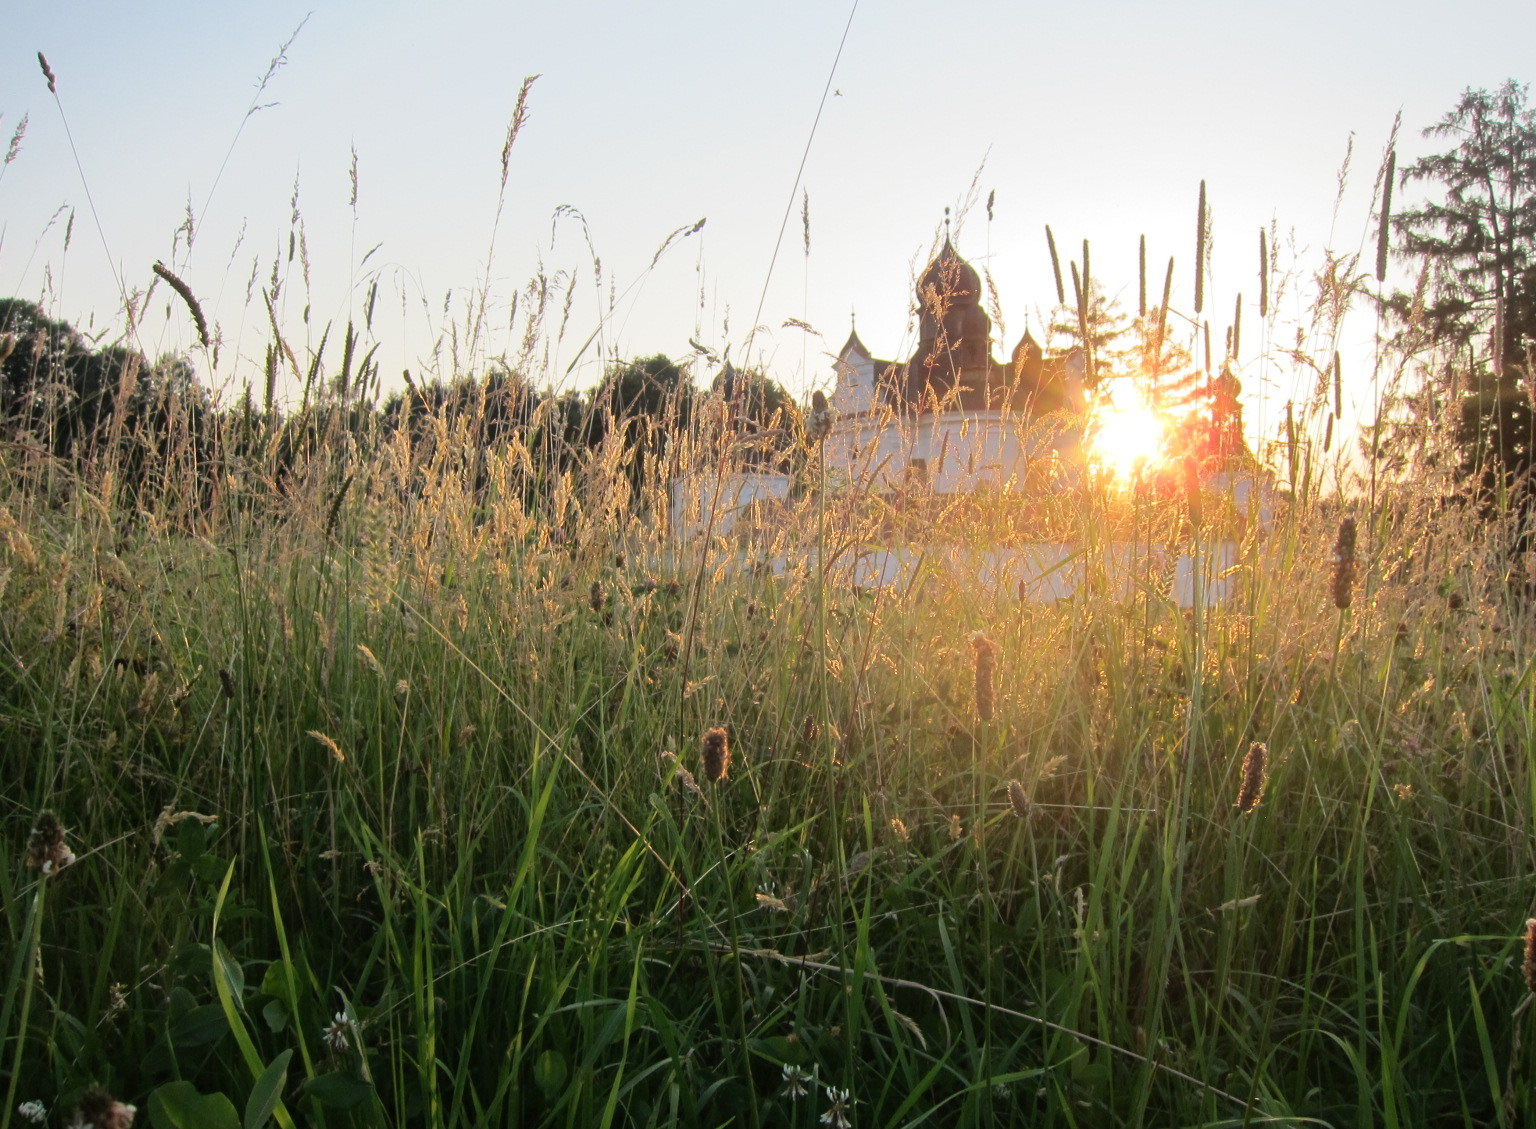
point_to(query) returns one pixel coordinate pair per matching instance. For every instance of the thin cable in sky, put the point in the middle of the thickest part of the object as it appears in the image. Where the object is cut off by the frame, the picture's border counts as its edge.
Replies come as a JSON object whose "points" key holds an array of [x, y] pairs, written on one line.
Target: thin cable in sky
{"points": [[789, 208]]}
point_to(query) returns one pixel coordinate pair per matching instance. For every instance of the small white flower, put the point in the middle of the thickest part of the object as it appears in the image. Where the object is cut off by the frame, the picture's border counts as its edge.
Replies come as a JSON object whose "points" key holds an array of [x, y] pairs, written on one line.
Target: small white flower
{"points": [[336, 1033], [795, 1082], [35, 1112], [837, 1113]]}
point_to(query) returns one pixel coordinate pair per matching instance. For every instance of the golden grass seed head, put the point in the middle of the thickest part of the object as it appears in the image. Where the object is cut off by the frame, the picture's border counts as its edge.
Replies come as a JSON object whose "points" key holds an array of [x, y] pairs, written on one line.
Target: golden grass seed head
{"points": [[716, 754], [1255, 776], [984, 669]]}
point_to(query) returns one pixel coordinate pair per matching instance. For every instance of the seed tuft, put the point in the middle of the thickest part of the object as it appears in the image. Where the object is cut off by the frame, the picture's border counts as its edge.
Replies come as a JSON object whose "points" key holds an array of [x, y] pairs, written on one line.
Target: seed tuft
{"points": [[984, 667], [1255, 777], [1344, 565], [1528, 966], [717, 754], [47, 852], [1018, 799]]}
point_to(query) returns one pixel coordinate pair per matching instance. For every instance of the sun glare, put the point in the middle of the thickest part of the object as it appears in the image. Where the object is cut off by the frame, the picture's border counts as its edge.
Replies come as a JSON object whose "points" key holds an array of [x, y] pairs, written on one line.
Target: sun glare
{"points": [[1126, 436]]}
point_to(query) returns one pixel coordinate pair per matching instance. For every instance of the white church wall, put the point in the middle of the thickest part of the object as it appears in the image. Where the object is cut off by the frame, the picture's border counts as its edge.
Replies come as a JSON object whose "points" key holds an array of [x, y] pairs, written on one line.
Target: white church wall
{"points": [[694, 496], [948, 452]]}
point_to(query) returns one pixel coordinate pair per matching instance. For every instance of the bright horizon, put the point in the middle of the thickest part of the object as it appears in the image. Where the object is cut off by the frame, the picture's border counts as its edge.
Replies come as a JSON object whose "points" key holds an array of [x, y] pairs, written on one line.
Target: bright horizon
{"points": [[1099, 120]]}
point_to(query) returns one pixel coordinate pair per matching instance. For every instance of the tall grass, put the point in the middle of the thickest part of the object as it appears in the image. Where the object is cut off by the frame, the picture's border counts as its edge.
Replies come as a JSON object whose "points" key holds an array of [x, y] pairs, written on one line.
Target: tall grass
{"points": [[393, 769]]}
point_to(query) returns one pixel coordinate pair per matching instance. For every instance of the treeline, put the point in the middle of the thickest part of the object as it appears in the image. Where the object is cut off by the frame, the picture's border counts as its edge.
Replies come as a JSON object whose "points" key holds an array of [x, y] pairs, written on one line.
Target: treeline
{"points": [[161, 432]]}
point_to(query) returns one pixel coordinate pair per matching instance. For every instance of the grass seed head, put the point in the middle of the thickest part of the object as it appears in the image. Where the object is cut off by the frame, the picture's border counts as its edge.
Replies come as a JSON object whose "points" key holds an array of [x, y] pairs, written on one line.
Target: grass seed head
{"points": [[683, 775], [1255, 776], [1528, 966], [717, 754], [46, 850], [1344, 565], [100, 1110], [1018, 799], [818, 423], [984, 667]]}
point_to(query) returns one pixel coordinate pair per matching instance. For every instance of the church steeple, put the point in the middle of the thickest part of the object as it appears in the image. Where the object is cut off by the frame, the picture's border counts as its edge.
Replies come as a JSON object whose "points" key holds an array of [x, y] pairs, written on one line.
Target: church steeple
{"points": [[954, 344]]}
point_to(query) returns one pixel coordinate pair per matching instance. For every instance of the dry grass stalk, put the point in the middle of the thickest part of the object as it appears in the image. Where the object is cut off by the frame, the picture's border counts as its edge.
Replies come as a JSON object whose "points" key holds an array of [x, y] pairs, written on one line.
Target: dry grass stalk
{"points": [[1344, 565], [1255, 776], [15, 146], [330, 745], [716, 754], [683, 775]]}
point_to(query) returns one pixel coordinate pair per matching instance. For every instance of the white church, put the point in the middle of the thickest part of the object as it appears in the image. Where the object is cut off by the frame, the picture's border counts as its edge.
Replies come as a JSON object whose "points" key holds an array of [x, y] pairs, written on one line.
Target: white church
{"points": [[949, 420]]}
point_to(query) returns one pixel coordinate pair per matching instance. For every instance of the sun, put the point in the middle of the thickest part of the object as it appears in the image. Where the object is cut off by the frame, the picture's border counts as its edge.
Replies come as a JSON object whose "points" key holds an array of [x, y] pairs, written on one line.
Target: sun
{"points": [[1127, 438]]}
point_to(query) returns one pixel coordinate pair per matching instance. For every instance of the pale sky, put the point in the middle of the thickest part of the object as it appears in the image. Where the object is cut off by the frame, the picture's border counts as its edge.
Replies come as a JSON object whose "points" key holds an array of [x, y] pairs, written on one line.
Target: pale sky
{"points": [[1098, 118]]}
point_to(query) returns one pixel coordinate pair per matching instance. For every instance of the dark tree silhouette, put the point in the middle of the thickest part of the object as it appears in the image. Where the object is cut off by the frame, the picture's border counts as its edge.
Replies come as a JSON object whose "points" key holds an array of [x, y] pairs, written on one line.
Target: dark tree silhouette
{"points": [[1473, 311]]}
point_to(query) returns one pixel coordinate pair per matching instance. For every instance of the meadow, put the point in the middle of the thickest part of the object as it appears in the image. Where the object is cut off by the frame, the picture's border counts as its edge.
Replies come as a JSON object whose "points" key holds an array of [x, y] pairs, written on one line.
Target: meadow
{"points": [[378, 775], [394, 798]]}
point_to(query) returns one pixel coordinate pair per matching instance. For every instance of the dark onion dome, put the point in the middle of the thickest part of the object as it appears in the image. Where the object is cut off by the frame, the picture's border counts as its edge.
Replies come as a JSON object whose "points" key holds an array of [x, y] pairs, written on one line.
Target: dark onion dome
{"points": [[1027, 356], [949, 276]]}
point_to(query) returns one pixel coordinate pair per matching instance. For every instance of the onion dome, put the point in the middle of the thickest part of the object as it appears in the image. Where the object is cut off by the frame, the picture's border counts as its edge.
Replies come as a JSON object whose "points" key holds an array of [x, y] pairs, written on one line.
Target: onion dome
{"points": [[949, 276]]}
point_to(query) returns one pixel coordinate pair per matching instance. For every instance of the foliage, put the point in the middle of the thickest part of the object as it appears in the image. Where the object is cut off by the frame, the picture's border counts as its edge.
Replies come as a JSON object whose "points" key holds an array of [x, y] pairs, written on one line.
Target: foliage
{"points": [[1472, 313]]}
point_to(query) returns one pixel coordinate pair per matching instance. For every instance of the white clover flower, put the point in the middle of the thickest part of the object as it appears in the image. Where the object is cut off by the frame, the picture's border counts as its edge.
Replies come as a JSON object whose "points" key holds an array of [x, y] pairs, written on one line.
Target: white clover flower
{"points": [[836, 1116], [35, 1112], [795, 1082], [335, 1034]]}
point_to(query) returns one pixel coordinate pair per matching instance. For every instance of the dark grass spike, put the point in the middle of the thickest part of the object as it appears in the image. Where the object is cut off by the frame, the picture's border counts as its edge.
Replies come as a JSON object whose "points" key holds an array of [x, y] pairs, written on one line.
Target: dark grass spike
{"points": [[1344, 565], [1200, 249], [1384, 231], [1141, 274], [187, 296], [1263, 273], [1050, 242]]}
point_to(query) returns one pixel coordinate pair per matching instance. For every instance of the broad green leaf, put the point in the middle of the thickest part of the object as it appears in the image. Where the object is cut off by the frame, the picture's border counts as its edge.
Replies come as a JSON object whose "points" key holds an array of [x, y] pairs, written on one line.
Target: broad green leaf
{"points": [[550, 1073], [230, 968], [267, 1092], [178, 1105], [276, 1015], [341, 1089], [199, 1027]]}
